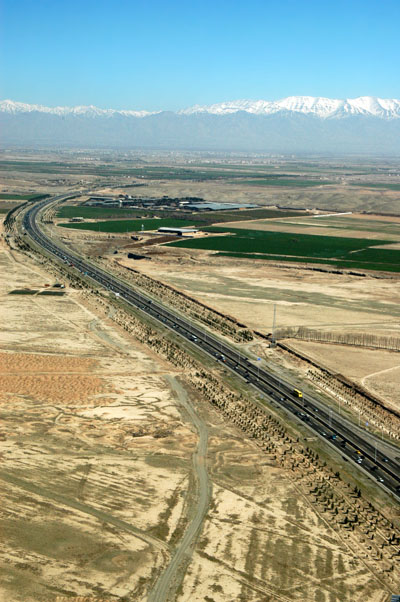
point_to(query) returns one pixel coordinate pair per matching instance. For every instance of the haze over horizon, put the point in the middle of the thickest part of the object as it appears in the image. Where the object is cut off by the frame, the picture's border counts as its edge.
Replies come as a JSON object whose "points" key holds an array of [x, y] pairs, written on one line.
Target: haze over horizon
{"points": [[155, 57]]}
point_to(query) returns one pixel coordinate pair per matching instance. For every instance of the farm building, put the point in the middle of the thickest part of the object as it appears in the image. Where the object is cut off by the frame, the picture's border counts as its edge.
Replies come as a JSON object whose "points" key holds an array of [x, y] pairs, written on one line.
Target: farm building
{"points": [[177, 231], [219, 206], [102, 201]]}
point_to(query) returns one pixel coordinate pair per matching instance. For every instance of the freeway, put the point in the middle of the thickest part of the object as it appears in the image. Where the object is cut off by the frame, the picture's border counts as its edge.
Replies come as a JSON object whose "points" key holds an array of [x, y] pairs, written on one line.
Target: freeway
{"points": [[362, 449]]}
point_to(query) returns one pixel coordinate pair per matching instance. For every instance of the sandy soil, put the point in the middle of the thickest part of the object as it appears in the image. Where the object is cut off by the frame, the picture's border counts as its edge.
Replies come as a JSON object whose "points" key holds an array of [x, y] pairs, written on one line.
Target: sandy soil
{"points": [[96, 490], [376, 370], [357, 364], [385, 383], [250, 289], [263, 541], [96, 453]]}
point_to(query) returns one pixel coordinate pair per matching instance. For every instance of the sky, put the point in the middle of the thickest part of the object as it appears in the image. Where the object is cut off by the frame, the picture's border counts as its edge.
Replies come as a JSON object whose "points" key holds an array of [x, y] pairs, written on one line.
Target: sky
{"points": [[170, 54]]}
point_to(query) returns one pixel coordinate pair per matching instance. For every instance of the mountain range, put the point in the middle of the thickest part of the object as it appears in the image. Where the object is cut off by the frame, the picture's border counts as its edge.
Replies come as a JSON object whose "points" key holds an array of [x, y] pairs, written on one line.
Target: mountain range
{"points": [[294, 124]]}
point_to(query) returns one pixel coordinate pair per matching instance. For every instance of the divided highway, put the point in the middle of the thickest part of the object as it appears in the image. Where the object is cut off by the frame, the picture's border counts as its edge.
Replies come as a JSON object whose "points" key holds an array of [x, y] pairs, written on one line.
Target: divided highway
{"points": [[361, 449]]}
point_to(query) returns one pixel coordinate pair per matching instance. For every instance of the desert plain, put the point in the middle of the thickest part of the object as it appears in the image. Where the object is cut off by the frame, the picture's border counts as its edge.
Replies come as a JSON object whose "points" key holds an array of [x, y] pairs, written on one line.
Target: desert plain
{"points": [[120, 481]]}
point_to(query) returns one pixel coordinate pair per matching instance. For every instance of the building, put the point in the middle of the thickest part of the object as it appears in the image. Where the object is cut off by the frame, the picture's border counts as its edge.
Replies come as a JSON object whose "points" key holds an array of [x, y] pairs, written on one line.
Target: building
{"points": [[177, 231], [219, 206], [102, 200]]}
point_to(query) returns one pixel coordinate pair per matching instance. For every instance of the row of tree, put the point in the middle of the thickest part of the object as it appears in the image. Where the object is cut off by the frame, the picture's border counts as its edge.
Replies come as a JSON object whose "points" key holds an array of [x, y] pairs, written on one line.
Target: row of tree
{"points": [[358, 339]]}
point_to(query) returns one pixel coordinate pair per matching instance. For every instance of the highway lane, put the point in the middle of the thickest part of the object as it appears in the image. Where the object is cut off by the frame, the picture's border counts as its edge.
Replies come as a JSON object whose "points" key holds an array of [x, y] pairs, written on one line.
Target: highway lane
{"points": [[348, 441]]}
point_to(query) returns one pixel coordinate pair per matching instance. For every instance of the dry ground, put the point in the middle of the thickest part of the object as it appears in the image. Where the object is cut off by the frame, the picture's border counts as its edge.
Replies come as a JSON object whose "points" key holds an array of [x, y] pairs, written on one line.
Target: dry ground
{"points": [[249, 290], [376, 370], [97, 478], [94, 450]]}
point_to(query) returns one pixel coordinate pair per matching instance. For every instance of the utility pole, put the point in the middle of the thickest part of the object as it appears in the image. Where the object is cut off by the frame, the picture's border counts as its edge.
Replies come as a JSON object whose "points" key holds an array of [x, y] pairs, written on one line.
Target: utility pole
{"points": [[273, 342]]}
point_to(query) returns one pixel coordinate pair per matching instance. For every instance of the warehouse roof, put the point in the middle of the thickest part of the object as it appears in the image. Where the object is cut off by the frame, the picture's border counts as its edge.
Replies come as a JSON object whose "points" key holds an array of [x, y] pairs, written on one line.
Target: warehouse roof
{"points": [[220, 206], [178, 230]]}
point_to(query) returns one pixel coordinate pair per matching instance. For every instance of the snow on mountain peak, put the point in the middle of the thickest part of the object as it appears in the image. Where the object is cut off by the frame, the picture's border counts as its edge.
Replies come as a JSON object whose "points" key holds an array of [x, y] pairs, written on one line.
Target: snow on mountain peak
{"points": [[321, 107], [318, 106], [10, 106]]}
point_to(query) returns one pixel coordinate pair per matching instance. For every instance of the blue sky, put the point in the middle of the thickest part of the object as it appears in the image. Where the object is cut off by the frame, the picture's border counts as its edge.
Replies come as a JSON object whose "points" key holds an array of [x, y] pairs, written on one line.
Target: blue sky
{"points": [[130, 54]]}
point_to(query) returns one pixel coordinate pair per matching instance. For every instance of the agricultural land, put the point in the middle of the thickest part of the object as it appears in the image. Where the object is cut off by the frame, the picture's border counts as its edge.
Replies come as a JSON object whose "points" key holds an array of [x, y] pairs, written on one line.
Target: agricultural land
{"points": [[133, 469]]}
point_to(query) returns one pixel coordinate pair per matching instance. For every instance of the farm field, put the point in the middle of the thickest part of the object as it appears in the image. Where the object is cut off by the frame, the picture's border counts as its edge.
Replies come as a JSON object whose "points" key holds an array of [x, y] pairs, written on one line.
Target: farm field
{"points": [[202, 218], [19, 197], [130, 225], [339, 251], [9, 200], [354, 253], [354, 226], [66, 211]]}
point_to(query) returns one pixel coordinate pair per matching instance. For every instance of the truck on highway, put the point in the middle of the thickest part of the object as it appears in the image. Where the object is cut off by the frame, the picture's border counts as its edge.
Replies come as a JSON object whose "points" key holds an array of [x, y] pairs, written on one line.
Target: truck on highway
{"points": [[297, 393]]}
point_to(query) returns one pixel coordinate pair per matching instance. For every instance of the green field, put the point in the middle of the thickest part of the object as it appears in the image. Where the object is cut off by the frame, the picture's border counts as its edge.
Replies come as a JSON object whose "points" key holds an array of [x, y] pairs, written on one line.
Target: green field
{"points": [[342, 252], [68, 211], [385, 228], [341, 264], [21, 197], [130, 225], [202, 218]]}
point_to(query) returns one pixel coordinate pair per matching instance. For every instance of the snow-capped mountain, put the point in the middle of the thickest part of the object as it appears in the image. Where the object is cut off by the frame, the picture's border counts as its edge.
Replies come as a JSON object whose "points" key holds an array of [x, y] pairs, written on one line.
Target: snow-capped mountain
{"points": [[308, 105], [387, 108], [9, 106], [294, 124]]}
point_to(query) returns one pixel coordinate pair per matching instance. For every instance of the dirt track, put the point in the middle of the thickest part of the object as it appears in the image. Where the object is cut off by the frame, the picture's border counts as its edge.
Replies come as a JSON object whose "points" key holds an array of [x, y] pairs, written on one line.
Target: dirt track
{"points": [[184, 550]]}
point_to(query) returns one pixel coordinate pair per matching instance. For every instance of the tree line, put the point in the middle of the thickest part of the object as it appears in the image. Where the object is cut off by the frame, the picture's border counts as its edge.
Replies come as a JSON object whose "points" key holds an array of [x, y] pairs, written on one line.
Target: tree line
{"points": [[358, 339]]}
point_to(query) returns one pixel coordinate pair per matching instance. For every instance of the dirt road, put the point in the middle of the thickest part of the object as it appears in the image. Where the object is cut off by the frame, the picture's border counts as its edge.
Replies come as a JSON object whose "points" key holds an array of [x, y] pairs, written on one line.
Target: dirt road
{"points": [[169, 579]]}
